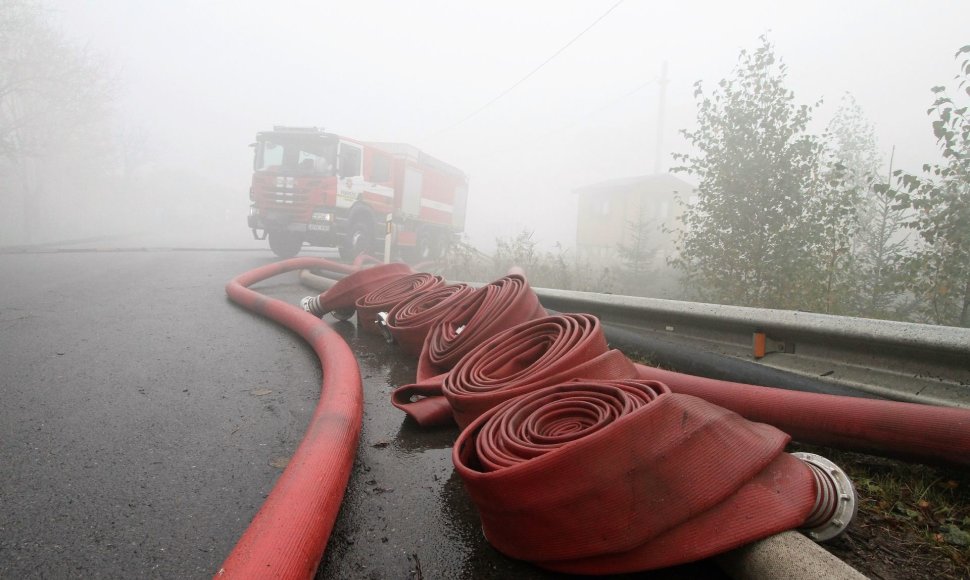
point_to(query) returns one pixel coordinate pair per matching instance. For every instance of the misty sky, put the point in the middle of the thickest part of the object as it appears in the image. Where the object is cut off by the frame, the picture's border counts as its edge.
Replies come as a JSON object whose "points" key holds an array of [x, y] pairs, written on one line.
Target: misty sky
{"points": [[202, 78]]}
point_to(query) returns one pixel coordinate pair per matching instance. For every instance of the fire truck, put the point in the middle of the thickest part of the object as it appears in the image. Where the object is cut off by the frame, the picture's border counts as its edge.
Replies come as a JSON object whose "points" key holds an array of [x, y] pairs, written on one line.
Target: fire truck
{"points": [[321, 189]]}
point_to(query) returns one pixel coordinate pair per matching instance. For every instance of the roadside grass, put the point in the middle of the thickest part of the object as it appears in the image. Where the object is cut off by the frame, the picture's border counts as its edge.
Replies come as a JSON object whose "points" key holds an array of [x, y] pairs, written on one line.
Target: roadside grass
{"points": [[557, 268], [918, 514]]}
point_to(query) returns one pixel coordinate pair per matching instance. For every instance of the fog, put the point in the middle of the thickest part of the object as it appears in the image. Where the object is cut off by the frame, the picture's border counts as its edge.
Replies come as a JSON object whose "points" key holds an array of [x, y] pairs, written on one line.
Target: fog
{"points": [[198, 80]]}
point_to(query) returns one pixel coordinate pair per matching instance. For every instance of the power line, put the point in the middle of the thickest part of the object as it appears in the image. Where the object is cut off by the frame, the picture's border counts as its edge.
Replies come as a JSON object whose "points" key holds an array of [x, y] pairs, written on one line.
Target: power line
{"points": [[577, 120], [533, 71]]}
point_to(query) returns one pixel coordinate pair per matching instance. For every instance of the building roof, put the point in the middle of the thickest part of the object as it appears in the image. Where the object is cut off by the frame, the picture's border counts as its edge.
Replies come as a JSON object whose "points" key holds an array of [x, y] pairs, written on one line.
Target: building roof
{"points": [[655, 182]]}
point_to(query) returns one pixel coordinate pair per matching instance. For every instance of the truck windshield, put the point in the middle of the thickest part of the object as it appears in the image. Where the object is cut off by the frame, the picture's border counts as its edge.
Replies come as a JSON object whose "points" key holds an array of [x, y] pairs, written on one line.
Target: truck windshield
{"points": [[296, 156]]}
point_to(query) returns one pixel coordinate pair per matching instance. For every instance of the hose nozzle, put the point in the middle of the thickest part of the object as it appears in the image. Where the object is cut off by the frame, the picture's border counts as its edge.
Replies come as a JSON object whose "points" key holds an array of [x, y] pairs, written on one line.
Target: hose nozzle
{"points": [[382, 326], [835, 502], [312, 305]]}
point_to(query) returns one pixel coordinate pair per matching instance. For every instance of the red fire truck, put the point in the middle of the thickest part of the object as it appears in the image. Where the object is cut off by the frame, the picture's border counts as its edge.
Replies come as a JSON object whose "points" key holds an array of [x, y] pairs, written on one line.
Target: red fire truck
{"points": [[317, 188]]}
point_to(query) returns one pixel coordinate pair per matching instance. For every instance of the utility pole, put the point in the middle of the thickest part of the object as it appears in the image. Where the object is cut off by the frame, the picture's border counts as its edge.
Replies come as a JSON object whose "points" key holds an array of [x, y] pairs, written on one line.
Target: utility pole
{"points": [[662, 87]]}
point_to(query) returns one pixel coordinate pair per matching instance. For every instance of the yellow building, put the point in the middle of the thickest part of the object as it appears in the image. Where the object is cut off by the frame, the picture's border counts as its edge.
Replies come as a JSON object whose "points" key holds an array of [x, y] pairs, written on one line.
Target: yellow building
{"points": [[607, 208]]}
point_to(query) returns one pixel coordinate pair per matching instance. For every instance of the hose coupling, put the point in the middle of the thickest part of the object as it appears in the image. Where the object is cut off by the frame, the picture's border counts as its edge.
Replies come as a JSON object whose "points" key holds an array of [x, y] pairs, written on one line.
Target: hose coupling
{"points": [[312, 305], [382, 326], [835, 500]]}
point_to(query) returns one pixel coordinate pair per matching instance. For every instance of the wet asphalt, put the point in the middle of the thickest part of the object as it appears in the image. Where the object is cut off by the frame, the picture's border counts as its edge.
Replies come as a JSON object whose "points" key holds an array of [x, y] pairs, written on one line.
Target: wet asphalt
{"points": [[144, 418]]}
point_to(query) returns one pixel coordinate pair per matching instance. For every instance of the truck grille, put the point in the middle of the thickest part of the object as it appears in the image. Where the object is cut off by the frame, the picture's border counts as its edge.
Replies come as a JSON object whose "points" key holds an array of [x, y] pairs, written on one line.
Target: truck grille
{"points": [[290, 204]]}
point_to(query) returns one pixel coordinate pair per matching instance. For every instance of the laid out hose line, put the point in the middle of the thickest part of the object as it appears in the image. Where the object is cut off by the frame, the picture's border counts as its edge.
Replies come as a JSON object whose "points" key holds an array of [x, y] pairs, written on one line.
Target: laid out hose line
{"points": [[317, 280], [288, 535], [912, 431]]}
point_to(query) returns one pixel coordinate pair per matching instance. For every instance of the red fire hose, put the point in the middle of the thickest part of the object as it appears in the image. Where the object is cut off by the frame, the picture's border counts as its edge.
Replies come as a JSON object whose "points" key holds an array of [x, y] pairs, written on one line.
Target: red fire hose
{"points": [[487, 311], [288, 535], [343, 296], [578, 459], [546, 351], [564, 347], [383, 298], [410, 321], [491, 309], [603, 477], [905, 430]]}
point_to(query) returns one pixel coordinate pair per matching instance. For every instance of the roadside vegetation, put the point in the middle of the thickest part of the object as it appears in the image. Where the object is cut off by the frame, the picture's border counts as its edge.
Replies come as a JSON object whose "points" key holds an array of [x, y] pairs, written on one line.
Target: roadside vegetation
{"points": [[785, 218], [789, 219], [913, 520]]}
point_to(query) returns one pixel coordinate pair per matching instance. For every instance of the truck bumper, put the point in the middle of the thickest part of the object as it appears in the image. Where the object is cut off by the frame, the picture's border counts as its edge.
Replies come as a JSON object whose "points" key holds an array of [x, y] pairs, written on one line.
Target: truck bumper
{"points": [[322, 230]]}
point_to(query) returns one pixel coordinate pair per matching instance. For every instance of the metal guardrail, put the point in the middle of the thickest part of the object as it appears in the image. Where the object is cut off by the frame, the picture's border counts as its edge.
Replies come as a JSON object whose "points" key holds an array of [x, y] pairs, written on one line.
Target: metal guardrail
{"points": [[903, 361], [919, 363]]}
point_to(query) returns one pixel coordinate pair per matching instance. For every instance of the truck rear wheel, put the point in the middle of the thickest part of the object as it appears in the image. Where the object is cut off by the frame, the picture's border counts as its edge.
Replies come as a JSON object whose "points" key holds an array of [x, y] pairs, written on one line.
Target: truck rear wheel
{"points": [[285, 244]]}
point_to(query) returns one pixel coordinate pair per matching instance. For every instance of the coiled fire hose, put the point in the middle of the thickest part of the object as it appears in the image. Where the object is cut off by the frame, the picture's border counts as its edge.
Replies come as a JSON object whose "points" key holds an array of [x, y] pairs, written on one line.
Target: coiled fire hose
{"points": [[602, 477], [341, 299], [488, 310], [410, 320], [573, 355], [370, 305], [465, 329], [546, 351]]}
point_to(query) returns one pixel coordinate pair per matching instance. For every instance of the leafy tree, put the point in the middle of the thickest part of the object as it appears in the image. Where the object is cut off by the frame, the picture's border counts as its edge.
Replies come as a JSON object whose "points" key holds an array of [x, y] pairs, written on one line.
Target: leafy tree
{"points": [[939, 199], [772, 221]]}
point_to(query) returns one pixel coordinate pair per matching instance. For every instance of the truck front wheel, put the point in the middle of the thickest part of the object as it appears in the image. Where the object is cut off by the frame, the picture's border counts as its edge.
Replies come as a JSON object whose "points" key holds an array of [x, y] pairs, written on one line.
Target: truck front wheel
{"points": [[285, 244], [359, 239]]}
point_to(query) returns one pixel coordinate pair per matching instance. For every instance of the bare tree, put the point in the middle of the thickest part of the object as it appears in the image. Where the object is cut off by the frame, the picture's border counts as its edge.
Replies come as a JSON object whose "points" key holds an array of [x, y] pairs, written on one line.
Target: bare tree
{"points": [[54, 103], [639, 253], [871, 285]]}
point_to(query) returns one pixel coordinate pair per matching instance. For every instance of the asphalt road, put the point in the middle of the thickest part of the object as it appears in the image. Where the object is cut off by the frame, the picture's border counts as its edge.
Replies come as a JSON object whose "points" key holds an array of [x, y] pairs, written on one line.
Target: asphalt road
{"points": [[145, 417]]}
